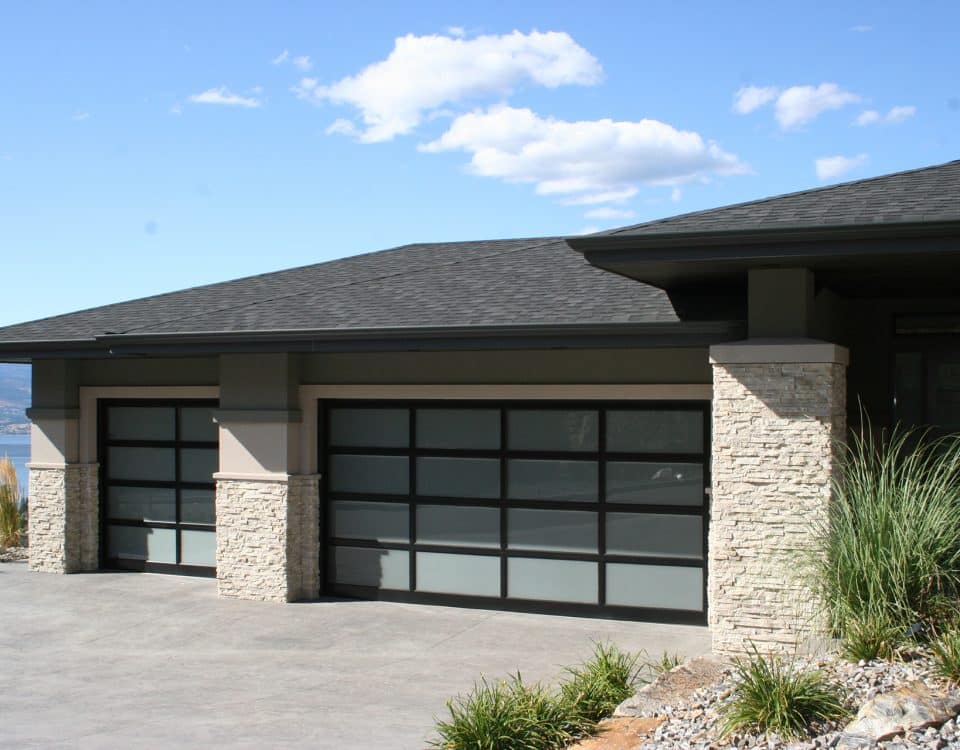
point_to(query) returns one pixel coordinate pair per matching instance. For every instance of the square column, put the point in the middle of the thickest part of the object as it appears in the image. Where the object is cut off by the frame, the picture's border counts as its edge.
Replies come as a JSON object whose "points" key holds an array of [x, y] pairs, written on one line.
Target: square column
{"points": [[779, 414], [268, 526]]}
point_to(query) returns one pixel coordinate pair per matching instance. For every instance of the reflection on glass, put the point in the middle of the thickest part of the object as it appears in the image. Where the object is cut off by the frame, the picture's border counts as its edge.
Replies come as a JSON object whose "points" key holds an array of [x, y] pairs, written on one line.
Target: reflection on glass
{"points": [[142, 503], [141, 423], [654, 431], [558, 530], [197, 425], [552, 430], [458, 477], [198, 464], [467, 575], [150, 464], [656, 586], [382, 522], [138, 543], [388, 475], [458, 526], [656, 535], [462, 429], [654, 483]]}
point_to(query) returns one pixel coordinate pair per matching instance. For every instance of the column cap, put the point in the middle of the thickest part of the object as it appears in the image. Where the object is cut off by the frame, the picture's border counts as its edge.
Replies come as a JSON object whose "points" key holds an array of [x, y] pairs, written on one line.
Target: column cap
{"points": [[779, 351]]}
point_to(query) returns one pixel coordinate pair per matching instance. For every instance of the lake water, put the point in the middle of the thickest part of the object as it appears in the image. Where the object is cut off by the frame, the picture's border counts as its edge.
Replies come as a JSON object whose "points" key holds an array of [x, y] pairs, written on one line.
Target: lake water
{"points": [[17, 449]]}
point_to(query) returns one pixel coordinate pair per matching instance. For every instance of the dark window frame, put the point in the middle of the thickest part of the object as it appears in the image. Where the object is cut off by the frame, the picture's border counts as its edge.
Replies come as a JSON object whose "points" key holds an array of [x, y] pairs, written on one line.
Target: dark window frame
{"points": [[104, 443], [601, 507]]}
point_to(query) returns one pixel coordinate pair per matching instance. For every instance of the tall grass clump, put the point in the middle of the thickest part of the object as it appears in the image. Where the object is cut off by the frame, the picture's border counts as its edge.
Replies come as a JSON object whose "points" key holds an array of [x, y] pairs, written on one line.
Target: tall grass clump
{"points": [[887, 555], [509, 715], [946, 655], [11, 512], [595, 688], [772, 696]]}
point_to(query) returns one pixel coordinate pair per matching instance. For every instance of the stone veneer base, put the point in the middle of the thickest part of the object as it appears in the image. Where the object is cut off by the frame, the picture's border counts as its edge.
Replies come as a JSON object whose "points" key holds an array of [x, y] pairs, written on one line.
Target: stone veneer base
{"points": [[64, 510], [776, 428], [268, 538]]}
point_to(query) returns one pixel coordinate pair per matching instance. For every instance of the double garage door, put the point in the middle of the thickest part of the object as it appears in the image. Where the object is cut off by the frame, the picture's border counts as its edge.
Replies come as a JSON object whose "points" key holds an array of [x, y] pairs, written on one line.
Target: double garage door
{"points": [[592, 508]]}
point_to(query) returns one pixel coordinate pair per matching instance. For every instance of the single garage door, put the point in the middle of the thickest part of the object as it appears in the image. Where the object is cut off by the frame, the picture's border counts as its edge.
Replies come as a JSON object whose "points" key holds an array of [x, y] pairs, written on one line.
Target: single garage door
{"points": [[578, 508], [157, 460]]}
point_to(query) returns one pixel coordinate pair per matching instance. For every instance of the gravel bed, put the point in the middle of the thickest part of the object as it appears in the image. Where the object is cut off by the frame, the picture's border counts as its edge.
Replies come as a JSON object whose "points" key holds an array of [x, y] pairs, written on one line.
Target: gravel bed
{"points": [[13, 554], [694, 724]]}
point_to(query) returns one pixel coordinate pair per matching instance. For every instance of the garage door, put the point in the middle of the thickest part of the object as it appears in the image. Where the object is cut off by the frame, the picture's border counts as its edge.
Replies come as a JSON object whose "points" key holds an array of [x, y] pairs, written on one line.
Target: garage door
{"points": [[578, 508], [157, 487]]}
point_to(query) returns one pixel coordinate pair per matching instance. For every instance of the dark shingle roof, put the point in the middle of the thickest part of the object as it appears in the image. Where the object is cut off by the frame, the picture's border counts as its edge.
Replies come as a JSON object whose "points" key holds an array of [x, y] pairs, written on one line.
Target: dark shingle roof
{"points": [[502, 282], [930, 194]]}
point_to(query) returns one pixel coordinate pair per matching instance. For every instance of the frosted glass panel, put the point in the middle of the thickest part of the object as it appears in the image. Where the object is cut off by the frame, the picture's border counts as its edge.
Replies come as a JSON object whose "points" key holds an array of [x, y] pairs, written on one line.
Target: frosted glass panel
{"points": [[142, 503], [458, 477], [198, 548], [197, 506], [384, 522], [389, 475], [152, 464], [552, 580], [383, 568], [655, 431], [458, 526], [654, 483], [560, 530], [655, 535], [574, 481], [548, 430], [370, 428], [474, 429], [657, 586], [471, 575], [135, 543], [142, 423], [196, 424], [198, 464]]}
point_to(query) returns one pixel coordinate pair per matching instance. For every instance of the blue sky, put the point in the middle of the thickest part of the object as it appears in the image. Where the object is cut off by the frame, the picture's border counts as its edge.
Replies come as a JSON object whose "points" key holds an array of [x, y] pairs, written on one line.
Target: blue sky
{"points": [[146, 147]]}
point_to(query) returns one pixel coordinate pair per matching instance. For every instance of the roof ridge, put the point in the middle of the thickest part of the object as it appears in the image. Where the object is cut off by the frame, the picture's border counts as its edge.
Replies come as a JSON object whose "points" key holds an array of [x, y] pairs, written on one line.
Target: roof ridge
{"points": [[539, 242], [768, 199]]}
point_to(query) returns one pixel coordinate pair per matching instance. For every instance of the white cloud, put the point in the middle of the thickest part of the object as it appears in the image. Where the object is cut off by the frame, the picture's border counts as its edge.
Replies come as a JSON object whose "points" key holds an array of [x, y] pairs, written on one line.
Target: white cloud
{"points": [[676, 195], [302, 62], [606, 212], [80, 116], [829, 167], [793, 106], [750, 98], [893, 116], [224, 96], [590, 229], [457, 31], [424, 73], [281, 58], [899, 114], [585, 162], [341, 126], [799, 105], [862, 28]]}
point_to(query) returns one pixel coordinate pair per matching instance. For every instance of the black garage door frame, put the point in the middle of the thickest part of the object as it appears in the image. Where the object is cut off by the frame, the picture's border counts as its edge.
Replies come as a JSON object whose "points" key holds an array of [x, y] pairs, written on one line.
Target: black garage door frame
{"points": [[601, 507], [104, 443]]}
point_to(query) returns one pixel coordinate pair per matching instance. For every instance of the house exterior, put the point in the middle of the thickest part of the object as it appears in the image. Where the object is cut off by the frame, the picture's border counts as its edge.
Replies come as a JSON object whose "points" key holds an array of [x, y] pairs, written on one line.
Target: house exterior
{"points": [[641, 423]]}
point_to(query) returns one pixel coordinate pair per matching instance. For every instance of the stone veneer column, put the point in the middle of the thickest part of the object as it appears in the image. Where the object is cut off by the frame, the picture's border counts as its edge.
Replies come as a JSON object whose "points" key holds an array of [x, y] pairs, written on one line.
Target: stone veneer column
{"points": [[779, 412], [64, 518], [268, 538]]}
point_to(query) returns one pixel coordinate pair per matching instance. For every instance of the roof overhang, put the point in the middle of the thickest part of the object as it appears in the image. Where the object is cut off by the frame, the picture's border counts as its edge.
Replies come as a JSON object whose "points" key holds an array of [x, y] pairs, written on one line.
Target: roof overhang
{"points": [[441, 338], [862, 260]]}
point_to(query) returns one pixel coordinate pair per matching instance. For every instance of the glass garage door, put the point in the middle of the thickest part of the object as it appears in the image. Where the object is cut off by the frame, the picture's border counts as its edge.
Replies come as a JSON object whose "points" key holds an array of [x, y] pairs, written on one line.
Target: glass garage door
{"points": [[575, 508], [157, 488]]}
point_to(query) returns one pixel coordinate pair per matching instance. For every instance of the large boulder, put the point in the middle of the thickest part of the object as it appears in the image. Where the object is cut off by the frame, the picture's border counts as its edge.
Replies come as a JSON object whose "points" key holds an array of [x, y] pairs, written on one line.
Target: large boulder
{"points": [[909, 707]]}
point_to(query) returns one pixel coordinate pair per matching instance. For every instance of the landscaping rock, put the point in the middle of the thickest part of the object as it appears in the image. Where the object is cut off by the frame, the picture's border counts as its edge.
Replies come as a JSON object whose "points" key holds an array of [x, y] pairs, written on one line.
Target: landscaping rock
{"points": [[908, 708], [14, 554], [673, 688]]}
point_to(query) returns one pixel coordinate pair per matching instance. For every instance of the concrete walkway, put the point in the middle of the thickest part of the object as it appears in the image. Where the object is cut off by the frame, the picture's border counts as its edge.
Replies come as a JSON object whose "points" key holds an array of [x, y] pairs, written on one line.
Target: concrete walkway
{"points": [[146, 661]]}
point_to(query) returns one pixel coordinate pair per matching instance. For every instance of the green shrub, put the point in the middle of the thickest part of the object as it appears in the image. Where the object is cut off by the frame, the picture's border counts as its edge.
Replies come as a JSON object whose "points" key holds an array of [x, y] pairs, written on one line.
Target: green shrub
{"points": [[11, 514], [870, 635], [946, 655], [509, 715], [771, 696], [665, 663], [596, 687], [888, 554]]}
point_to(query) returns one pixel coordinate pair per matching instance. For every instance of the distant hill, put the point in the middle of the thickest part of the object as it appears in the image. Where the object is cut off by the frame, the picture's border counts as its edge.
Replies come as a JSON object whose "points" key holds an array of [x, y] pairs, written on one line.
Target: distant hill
{"points": [[14, 398]]}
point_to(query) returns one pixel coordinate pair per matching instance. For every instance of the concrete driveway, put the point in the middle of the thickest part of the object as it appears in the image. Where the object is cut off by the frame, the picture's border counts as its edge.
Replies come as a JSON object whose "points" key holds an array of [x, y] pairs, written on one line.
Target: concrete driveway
{"points": [[146, 661]]}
